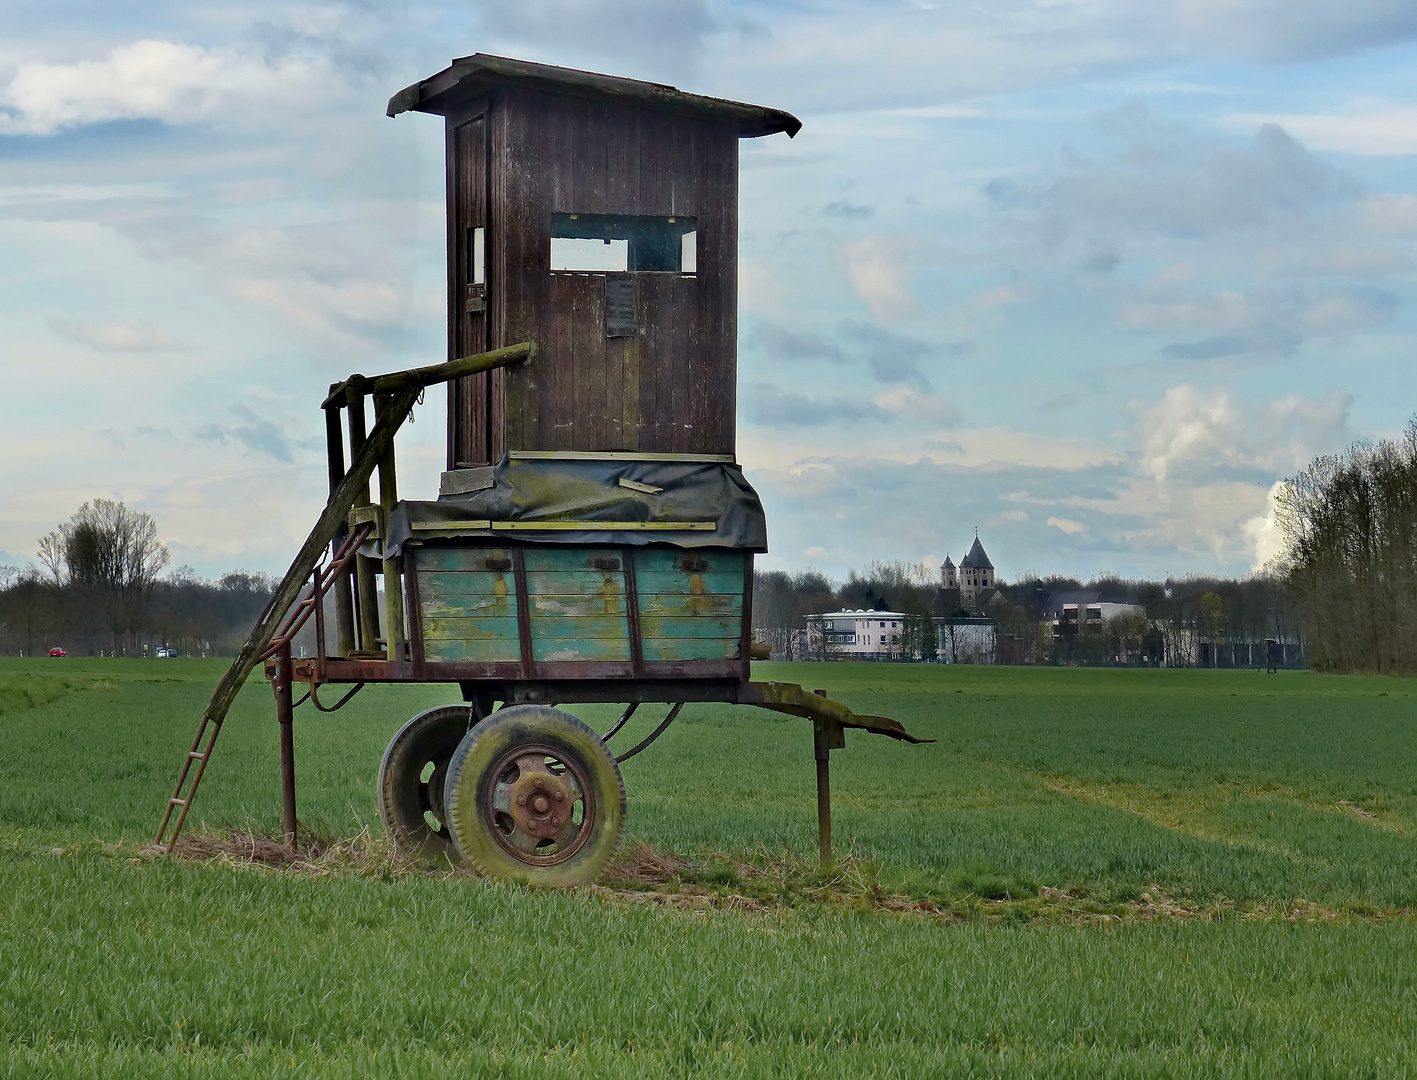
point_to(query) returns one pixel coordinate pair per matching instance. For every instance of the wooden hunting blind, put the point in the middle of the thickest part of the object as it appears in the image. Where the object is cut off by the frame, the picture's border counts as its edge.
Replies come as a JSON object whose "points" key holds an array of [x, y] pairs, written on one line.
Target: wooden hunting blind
{"points": [[593, 536], [596, 217]]}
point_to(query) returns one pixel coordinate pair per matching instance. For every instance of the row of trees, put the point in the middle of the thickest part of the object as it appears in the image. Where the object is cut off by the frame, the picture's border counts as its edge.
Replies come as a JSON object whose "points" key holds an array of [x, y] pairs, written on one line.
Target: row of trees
{"points": [[97, 590], [1349, 561]]}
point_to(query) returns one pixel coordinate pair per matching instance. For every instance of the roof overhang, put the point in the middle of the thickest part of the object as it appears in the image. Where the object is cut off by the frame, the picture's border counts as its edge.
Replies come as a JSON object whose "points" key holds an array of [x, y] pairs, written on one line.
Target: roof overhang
{"points": [[469, 77]]}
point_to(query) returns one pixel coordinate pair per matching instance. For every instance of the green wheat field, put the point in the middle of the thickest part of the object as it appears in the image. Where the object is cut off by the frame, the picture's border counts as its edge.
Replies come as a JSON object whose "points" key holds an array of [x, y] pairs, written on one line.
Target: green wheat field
{"points": [[1093, 873]]}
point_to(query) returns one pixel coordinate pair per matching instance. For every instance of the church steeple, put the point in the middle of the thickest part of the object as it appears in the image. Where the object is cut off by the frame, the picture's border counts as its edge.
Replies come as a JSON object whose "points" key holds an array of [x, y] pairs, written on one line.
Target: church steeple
{"points": [[976, 574]]}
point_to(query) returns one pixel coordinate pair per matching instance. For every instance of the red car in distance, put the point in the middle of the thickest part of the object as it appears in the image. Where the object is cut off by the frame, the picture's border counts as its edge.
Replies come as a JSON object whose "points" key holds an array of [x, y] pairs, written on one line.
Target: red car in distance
{"points": [[57, 651]]}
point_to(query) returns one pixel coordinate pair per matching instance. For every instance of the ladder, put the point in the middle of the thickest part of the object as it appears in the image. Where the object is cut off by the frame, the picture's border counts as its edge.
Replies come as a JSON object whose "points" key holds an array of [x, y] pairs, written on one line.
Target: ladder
{"points": [[395, 395]]}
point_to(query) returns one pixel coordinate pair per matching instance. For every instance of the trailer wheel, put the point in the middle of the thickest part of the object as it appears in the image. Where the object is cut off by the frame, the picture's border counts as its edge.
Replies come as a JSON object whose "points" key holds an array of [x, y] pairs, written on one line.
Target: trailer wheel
{"points": [[411, 785], [534, 795]]}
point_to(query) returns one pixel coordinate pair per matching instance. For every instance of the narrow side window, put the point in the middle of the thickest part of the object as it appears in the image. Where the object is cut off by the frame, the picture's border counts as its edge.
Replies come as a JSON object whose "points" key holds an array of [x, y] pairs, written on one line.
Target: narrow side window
{"points": [[477, 255]]}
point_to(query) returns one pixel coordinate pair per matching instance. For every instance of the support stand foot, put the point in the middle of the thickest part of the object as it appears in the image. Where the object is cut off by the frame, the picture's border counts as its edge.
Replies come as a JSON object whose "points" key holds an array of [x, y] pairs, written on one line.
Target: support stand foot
{"points": [[827, 735], [285, 714]]}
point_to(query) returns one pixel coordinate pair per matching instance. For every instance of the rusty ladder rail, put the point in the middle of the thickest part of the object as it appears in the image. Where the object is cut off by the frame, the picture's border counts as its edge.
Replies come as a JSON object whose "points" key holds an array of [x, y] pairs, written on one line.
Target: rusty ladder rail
{"points": [[325, 578], [210, 727], [399, 392]]}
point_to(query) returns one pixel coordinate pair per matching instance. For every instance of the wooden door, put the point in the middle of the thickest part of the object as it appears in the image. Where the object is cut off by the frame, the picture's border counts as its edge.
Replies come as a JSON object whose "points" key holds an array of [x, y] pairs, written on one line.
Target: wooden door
{"points": [[470, 429]]}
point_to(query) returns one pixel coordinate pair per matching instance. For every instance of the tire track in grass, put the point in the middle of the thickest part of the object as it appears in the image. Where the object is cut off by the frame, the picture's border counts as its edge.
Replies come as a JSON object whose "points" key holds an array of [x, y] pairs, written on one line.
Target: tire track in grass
{"points": [[22, 691], [1192, 812]]}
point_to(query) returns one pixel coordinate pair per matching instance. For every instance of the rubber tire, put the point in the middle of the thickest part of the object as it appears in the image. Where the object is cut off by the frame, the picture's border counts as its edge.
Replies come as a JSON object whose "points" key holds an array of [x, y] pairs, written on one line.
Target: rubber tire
{"points": [[563, 733], [434, 736]]}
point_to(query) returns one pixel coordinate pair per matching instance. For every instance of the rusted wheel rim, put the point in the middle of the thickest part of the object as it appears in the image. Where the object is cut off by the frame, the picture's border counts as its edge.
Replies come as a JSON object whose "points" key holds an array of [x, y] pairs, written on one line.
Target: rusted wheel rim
{"points": [[539, 804]]}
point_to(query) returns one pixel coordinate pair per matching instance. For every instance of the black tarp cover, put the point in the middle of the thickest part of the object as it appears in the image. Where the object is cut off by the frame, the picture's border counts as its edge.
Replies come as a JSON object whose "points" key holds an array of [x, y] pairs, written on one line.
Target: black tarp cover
{"points": [[590, 490]]}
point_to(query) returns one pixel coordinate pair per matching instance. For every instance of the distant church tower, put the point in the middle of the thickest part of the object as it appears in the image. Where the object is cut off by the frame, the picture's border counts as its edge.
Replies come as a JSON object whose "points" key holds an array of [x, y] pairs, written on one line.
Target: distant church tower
{"points": [[976, 575], [948, 578]]}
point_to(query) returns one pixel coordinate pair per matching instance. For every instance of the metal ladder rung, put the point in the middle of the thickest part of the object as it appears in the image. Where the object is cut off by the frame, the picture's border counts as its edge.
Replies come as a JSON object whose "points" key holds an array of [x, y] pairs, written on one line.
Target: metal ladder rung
{"points": [[178, 802], [196, 756]]}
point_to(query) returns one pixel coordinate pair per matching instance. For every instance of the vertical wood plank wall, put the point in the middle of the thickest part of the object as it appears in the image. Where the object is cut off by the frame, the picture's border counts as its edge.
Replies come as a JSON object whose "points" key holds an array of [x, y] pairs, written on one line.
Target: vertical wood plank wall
{"points": [[673, 387], [469, 419]]}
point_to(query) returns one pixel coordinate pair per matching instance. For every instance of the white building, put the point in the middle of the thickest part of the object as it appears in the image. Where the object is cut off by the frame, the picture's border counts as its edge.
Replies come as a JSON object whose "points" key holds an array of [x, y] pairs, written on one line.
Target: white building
{"points": [[1085, 606], [869, 635]]}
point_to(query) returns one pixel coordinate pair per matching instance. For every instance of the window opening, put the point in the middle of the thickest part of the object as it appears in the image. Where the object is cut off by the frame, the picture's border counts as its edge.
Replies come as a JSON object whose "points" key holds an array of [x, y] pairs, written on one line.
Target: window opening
{"points": [[624, 243], [477, 255]]}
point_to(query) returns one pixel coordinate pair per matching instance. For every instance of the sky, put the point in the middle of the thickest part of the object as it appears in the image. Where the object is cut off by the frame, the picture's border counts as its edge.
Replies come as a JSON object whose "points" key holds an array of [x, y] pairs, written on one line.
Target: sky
{"points": [[1088, 276]]}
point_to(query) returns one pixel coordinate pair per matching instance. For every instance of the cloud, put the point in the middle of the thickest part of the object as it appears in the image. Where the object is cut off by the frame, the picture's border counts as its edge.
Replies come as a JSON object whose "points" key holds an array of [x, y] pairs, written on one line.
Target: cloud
{"points": [[326, 281], [850, 211], [878, 274], [933, 59], [1164, 180], [1210, 430], [1102, 261], [781, 408], [913, 404], [255, 434], [772, 407], [1287, 30], [1263, 531], [1271, 321], [153, 80], [1066, 525], [783, 344], [892, 357], [1391, 215], [661, 35], [119, 337], [1389, 132]]}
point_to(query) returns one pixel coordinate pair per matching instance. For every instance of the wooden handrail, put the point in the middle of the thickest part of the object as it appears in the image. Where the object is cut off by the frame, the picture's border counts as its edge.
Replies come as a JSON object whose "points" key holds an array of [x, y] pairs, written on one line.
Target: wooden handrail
{"points": [[396, 381]]}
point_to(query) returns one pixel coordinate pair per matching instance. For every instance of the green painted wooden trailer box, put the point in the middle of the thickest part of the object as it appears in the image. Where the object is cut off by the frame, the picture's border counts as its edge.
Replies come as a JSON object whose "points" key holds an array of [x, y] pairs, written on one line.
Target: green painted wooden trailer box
{"points": [[634, 610]]}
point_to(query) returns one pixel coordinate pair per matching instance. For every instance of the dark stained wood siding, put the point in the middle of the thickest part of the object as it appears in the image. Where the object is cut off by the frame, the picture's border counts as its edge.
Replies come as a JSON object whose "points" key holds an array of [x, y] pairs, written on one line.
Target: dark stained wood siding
{"points": [[672, 387], [469, 405]]}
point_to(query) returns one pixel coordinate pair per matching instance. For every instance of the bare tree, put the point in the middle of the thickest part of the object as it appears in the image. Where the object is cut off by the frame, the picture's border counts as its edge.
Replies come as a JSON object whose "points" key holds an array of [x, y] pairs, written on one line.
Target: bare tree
{"points": [[111, 556]]}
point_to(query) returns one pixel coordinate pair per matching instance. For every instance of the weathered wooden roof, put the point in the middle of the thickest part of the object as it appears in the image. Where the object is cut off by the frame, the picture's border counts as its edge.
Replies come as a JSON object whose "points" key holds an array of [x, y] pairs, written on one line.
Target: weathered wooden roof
{"points": [[469, 77]]}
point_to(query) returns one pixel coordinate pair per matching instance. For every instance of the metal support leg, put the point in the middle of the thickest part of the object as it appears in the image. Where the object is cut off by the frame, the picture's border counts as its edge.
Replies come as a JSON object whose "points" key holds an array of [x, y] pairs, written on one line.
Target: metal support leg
{"points": [[827, 735], [285, 715]]}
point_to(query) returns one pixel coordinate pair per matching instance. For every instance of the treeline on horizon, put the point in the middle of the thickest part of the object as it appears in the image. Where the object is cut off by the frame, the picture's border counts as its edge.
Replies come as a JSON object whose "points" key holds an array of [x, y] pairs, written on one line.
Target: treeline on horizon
{"points": [[98, 592], [1179, 615], [194, 615], [1344, 584]]}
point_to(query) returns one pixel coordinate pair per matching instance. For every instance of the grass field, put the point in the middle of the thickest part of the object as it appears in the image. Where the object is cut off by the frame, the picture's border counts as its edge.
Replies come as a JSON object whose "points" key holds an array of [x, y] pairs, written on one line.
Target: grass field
{"points": [[1092, 873]]}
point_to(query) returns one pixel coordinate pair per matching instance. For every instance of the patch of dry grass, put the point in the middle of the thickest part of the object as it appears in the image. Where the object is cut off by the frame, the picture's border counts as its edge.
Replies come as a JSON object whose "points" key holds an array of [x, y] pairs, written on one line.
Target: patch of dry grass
{"points": [[763, 881]]}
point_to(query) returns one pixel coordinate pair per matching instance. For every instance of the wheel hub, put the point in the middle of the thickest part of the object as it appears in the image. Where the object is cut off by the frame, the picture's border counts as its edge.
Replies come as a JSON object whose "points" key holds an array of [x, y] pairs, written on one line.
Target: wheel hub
{"points": [[532, 805], [540, 803]]}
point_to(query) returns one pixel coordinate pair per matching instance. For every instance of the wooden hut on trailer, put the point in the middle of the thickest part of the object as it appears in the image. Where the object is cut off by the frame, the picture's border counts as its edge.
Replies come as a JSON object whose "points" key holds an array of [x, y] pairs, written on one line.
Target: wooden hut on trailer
{"points": [[593, 537], [596, 217]]}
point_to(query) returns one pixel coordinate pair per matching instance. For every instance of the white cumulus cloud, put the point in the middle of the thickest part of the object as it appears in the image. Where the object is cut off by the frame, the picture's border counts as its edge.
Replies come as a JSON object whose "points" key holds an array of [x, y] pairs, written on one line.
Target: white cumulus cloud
{"points": [[877, 271], [151, 80]]}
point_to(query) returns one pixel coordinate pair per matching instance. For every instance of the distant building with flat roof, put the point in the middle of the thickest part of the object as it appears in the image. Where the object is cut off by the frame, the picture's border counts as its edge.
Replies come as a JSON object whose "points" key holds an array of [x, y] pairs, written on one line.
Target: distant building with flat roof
{"points": [[867, 635]]}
